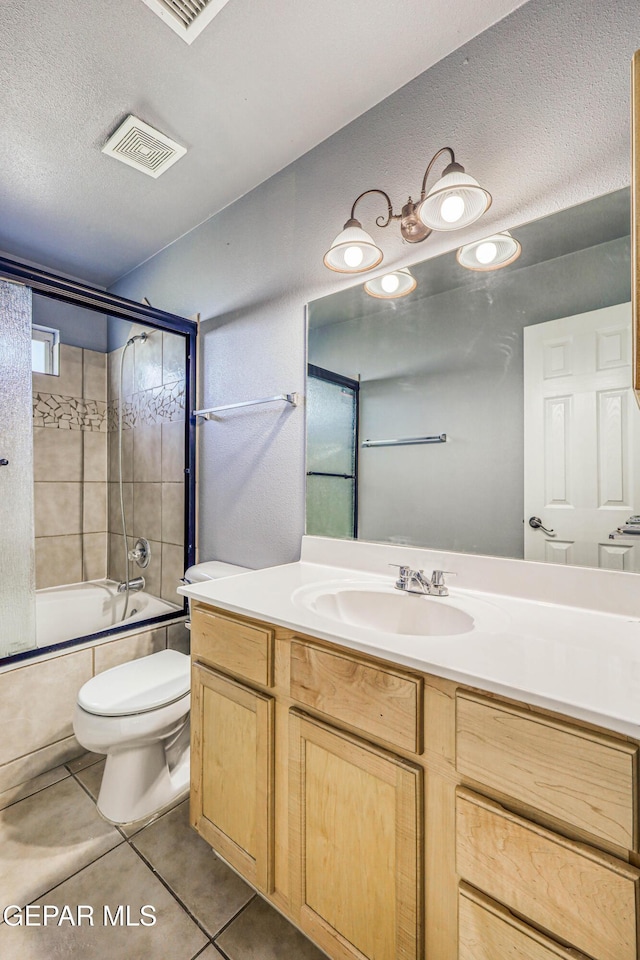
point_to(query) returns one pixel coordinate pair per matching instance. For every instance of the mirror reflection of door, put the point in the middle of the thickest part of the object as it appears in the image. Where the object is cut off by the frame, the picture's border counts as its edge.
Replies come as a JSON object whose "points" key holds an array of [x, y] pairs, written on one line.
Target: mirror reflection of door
{"points": [[581, 440], [332, 454]]}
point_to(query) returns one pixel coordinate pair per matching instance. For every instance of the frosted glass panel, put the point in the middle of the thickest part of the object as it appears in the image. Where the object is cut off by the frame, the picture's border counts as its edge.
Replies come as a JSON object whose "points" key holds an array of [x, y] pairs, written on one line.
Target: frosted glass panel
{"points": [[330, 427], [332, 421], [330, 505], [17, 565]]}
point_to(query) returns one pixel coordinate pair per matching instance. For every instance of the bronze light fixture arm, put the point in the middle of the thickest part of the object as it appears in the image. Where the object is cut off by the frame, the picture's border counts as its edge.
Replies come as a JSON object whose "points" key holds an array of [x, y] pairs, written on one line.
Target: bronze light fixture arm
{"points": [[381, 222], [412, 230], [431, 164]]}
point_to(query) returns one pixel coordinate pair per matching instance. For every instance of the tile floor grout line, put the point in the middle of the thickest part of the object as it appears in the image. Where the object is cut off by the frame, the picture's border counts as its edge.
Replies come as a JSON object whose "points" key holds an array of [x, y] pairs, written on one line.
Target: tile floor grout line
{"points": [[168, 888], [200, 952], [71, 876], [129, 841], [222, 952], [35, 792], [81, 769], [93, 799], [123, 839], [233, 918]]}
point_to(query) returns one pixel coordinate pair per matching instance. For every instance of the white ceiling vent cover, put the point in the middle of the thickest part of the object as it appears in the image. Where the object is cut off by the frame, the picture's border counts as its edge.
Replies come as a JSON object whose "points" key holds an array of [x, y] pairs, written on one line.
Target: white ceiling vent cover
{"points": [[143, 147], [187, 18]]}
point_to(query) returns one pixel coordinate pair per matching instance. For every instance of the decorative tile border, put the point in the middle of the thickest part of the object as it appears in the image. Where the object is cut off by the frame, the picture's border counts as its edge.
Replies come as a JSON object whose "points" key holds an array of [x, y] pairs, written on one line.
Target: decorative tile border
{"points": [[69, 413], [158, 405]]}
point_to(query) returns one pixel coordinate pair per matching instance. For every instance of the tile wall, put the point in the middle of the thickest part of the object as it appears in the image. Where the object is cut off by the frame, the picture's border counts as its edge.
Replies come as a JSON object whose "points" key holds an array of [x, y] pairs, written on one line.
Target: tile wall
{"points": [[70, 469], [153, 457], [36, 740]]}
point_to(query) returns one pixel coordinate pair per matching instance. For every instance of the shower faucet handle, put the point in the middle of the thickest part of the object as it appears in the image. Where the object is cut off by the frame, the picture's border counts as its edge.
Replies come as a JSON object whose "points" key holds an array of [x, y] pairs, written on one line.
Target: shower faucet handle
{"points": [[141, 553]]}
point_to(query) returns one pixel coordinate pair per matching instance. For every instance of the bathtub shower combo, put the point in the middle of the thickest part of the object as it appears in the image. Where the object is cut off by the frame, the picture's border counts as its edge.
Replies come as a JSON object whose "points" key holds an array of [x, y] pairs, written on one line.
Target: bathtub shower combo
{"points": [[98, 485], [84, 609]]}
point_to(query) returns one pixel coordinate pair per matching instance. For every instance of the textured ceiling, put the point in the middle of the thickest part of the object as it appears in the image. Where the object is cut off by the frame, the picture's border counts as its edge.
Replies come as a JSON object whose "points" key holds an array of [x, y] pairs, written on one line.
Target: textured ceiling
{"points": [[263, 84]]}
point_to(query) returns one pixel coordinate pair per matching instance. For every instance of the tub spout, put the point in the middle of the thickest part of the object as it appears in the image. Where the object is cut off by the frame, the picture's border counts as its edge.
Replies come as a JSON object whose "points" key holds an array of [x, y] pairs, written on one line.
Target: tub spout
{"points": [[134, 585]]}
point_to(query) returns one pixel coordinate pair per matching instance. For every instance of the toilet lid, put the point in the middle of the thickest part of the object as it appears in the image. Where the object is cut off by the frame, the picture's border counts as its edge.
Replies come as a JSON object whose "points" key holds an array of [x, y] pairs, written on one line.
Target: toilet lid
{"points": [[138, 686], [212, 570]]}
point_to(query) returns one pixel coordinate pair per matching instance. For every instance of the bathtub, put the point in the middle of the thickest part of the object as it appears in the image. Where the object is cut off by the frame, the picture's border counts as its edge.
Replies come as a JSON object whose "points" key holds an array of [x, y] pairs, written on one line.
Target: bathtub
{"points": [[81, 609]]}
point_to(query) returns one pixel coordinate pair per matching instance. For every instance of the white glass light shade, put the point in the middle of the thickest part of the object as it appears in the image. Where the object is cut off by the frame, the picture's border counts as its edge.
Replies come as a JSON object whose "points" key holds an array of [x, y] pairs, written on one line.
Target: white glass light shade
{"points": [[353, 251], [390, 286], [455, 201], [502, 247]]}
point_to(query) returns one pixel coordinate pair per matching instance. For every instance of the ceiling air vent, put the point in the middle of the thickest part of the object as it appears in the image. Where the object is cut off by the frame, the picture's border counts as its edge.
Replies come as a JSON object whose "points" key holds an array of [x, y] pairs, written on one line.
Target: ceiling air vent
{"points": [[187, 18], [143, 147]]}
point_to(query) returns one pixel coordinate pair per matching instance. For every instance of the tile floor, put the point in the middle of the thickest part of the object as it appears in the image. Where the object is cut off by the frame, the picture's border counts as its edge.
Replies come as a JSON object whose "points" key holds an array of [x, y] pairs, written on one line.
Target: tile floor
{"points": [[56, 850]]}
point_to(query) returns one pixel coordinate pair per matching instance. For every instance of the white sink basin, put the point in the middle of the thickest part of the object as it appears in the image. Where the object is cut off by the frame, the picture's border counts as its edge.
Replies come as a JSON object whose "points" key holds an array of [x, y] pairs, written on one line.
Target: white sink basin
{"points": [[383, 609]]}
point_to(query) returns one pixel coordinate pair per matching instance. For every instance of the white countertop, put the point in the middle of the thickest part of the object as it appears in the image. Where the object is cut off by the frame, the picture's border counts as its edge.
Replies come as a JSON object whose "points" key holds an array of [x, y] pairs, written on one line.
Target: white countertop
{"points": [[579, 662]]}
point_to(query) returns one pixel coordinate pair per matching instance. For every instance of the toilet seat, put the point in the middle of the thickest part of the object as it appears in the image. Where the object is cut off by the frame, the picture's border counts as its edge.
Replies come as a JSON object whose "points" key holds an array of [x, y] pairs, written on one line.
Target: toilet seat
{"points": [[138, 686]]}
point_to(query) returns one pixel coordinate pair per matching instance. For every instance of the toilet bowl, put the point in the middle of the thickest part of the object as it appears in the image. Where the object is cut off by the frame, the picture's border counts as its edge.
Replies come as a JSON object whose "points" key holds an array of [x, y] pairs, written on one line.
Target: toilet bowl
{"points": [[138, 715]]}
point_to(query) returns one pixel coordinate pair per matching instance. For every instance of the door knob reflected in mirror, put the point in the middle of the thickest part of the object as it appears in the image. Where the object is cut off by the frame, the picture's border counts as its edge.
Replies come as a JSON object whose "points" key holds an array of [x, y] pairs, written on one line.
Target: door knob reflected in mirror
{"points": [[536, 523]]}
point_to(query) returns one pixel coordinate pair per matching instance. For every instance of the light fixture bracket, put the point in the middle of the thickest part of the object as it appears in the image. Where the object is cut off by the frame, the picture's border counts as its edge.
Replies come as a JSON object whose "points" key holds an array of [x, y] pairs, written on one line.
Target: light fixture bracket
{"points": [[452, 167], [412, 228]]}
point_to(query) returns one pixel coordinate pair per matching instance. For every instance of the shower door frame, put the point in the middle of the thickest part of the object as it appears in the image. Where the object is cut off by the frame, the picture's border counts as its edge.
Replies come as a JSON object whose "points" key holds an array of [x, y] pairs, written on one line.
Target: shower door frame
{"points": [[82, 294], [320, 373]]}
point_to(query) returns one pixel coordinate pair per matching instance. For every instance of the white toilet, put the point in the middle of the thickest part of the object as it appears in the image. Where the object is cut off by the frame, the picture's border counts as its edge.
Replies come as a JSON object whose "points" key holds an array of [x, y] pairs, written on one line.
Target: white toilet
{"points": [[138, 714]]}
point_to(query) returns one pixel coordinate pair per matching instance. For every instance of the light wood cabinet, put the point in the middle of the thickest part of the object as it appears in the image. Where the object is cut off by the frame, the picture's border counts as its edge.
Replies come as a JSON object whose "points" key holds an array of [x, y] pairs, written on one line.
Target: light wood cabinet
{"points": [[576, 775], [393, 815], [356, 838], [382, 702], [232, 772], [569, 889], [236, 646], [489, 932]]}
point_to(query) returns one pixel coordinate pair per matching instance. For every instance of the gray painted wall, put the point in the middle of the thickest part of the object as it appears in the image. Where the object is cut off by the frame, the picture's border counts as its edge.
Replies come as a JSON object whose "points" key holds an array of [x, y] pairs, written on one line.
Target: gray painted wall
{"points": [[453, 363], [78, 326], [536, 108]]}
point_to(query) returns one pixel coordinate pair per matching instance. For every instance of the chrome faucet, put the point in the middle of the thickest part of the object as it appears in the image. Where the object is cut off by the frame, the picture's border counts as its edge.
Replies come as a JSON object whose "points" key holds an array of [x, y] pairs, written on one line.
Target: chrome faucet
{"points": [[416, 581], [134, 585]]}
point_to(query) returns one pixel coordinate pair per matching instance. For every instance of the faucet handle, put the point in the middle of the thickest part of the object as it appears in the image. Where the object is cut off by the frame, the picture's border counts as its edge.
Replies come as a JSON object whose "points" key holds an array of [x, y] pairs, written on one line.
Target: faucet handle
{"points": [[437, 577], [404, 575]]}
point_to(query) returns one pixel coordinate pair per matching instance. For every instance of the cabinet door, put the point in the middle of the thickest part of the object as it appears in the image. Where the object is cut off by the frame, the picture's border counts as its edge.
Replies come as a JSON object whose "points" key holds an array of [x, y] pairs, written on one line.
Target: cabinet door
{"points": [[232, 757], [356, 840]]}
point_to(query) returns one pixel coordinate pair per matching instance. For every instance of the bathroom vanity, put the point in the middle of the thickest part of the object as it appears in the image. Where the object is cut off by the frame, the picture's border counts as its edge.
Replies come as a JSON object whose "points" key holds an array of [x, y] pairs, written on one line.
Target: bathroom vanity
{"points": [[400, 796]]}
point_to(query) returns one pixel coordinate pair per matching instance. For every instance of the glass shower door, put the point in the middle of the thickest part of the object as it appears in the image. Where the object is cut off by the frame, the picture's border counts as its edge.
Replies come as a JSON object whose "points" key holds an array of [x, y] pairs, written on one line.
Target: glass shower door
{"points": [[17, 561], [332, 430]]}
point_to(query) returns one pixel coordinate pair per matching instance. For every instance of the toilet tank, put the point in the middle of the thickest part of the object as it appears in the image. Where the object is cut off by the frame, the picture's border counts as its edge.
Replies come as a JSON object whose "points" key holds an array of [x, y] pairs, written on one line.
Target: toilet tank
{"points": [[210, 570]]}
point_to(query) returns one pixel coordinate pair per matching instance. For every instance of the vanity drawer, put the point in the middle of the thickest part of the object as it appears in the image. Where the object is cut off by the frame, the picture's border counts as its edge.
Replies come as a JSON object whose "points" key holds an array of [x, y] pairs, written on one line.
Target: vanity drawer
{"points": [[583, 778], [584, 897], [384, 703], [241, 648], [486, 931]]}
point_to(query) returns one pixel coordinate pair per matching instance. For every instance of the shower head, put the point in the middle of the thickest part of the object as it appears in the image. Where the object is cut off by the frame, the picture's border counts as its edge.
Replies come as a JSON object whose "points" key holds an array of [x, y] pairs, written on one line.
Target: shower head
{"points": [[140, 336]]}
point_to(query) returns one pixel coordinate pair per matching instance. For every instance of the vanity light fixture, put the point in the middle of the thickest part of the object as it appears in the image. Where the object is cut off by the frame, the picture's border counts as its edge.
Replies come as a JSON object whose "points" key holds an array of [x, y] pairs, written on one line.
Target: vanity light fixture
{"points": [[391, 286], [490, 253], [454, 201]]}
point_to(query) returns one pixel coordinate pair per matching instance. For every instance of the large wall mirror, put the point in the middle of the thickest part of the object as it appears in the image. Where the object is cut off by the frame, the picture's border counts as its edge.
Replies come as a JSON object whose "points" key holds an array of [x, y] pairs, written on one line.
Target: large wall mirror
{"points": [[486, 412]]}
